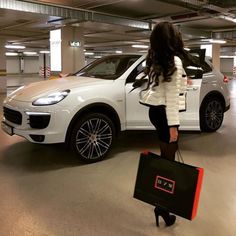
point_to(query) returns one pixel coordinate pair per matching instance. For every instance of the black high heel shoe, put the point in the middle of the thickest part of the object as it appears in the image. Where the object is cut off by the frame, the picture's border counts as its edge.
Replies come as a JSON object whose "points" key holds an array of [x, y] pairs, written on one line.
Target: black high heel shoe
{"points": [[169, 219]]}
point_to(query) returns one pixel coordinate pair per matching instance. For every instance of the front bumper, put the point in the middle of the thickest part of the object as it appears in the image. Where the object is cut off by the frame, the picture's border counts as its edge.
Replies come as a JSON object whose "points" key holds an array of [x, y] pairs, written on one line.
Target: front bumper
{"points": [[38, 124]]}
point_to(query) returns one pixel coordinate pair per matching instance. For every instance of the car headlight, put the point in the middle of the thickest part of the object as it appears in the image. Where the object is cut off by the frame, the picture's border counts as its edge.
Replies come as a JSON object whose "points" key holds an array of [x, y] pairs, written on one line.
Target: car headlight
{"points": [[51, 99]]}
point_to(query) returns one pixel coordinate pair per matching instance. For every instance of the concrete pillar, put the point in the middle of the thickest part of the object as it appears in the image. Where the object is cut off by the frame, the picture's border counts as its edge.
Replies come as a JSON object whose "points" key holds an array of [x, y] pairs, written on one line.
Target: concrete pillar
{"points": [[216, 55], [73, 58], [3, 66]]}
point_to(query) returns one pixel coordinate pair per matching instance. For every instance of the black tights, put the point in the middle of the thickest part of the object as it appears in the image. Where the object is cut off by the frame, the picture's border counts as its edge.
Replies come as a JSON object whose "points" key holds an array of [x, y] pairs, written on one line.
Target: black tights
{"points": [[157, 116]]}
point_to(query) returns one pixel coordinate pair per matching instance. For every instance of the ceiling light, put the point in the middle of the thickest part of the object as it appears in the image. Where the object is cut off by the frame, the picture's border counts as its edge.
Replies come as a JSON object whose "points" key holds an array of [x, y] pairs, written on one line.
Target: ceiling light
{"points": [[187, 49], [44, 51], [213, 40], [226, 56], [217, 41], [30, 53], [228, 18], [89, 53], [143, 51], [119, 51], [139, 46], [11, 53], [14, 46]]}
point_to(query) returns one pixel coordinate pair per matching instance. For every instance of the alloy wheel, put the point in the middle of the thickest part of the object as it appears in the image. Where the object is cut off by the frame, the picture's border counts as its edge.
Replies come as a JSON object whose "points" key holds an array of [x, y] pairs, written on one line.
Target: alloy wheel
{"points": [[94, 138]]}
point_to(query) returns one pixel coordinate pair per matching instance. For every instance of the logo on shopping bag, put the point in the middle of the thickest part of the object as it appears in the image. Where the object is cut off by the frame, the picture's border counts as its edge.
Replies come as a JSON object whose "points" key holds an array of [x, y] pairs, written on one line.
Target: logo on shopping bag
{"points": [[164, 184]]}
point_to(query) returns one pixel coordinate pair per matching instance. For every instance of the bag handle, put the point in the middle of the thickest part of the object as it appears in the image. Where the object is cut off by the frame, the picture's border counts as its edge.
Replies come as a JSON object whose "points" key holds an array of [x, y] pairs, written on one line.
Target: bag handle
{"points": [[179, 156]]}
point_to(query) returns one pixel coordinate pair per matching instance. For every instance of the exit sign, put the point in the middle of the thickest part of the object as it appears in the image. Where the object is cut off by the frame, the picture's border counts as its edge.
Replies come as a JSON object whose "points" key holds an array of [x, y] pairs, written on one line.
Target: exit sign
{"points": [[74, 43]]}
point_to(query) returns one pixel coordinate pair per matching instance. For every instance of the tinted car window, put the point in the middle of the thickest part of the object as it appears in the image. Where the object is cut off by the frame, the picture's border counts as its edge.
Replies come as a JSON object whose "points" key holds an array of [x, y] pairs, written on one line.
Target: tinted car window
{"points": [[195, 64], [110, 67]]}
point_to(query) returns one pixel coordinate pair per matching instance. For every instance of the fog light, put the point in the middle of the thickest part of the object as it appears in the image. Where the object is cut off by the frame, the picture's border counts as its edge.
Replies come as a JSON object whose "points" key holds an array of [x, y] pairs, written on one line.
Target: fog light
{"points": [[37, 138]]}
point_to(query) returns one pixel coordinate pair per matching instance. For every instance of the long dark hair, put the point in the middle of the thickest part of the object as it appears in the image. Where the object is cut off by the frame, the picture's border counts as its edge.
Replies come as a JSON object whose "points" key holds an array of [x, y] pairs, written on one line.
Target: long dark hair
{"points": [[165, 42]]}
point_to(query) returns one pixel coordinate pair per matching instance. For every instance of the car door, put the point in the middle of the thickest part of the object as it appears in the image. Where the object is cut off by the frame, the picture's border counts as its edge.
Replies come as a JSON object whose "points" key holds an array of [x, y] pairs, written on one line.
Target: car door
{"points": [[137, 114], [195, 69], [189, 120]]}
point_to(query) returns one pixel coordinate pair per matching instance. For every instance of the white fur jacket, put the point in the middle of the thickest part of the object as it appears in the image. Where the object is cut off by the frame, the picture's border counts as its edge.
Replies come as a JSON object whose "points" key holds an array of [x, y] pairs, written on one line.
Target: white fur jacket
{"points": [[171, 94]]}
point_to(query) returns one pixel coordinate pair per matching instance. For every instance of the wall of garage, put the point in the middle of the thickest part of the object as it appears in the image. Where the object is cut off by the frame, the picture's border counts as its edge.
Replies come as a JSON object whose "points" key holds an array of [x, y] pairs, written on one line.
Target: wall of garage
{"points": [[31, 65], [13, 65], [226, 65]]}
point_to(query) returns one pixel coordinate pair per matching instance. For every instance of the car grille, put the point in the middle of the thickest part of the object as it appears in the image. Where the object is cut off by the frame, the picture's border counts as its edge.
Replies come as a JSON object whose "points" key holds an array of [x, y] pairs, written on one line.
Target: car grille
{"points": [[12, 115]]}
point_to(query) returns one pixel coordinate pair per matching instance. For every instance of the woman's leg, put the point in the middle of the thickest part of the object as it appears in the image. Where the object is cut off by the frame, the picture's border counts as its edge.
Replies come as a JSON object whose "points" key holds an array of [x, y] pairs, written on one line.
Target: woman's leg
{"points": [[168, 150], [157, 116]]}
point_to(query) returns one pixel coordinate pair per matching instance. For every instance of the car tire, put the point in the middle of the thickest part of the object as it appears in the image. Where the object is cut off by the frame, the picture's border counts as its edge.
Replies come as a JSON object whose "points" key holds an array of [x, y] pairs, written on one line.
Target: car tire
{"points": [[92, 137], [211, 114]]}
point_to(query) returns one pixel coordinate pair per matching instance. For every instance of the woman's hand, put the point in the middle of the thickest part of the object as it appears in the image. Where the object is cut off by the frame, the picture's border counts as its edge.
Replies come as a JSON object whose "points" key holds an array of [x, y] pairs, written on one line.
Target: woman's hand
{"points": [[173, 134]]}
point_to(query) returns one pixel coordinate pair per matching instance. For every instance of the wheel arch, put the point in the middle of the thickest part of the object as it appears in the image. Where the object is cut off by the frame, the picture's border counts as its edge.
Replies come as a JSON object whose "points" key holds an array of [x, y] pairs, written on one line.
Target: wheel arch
{"points": [[216, 94], [102, 108]]}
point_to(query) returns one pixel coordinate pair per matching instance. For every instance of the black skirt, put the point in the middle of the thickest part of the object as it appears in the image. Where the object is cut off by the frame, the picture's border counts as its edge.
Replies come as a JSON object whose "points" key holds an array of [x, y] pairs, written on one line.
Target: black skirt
{"points": [[157, 116]]}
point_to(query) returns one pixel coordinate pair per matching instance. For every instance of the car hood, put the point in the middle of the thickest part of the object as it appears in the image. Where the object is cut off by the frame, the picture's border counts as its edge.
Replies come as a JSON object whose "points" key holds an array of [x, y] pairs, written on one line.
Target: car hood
{"points": [[43, 88]]}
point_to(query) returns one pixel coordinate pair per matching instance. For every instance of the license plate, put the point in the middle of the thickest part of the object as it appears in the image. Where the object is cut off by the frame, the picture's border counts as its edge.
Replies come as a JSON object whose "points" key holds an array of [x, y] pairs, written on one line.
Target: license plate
{"points": [[7, 128]]}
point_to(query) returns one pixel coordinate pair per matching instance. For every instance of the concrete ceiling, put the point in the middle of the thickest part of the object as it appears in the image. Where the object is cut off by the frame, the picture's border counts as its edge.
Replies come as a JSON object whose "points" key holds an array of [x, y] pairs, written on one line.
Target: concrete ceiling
{"points": [[197, 19]]}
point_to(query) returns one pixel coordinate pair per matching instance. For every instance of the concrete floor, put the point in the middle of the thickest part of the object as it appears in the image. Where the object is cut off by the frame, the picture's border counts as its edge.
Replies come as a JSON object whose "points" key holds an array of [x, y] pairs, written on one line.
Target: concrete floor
{"points": [[45, 191]]}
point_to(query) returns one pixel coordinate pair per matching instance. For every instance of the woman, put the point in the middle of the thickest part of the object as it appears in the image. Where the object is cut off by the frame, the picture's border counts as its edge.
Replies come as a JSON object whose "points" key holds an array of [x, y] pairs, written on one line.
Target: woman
{"points": [[166, 81]]}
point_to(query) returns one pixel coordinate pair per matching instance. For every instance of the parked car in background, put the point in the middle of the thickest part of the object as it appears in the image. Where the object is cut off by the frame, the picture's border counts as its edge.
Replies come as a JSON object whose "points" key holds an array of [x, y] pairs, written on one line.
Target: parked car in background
{"points": [[87, 110]]}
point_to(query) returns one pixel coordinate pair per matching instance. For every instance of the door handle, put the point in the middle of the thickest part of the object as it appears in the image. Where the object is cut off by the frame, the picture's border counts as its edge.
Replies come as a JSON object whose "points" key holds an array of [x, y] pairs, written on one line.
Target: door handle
{"points": [[192, 89]]}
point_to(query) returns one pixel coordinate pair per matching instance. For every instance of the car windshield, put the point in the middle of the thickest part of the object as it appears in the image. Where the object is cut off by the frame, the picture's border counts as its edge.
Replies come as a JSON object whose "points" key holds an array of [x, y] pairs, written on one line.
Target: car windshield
{"points": [[109, 67]]}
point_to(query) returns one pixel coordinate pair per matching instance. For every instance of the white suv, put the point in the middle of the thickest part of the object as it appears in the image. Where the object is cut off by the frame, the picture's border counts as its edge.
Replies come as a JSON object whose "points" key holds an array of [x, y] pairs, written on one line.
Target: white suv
{"points": [[87, 110]]}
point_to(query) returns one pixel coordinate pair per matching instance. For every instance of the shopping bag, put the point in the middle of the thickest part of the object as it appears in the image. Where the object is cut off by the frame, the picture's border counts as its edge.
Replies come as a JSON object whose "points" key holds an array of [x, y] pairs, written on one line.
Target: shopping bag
{"points": [[170, 184]]}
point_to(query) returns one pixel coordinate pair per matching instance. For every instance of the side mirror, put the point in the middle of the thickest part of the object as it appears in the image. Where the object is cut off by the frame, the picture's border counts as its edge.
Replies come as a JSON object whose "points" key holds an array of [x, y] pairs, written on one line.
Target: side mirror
{"points": [[139, 82], [140, 79]]}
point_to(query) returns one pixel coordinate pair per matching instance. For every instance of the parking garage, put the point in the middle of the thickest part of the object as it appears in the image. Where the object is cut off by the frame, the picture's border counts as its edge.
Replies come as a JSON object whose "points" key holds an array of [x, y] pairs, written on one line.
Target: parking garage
{"points": [[47, 187]]}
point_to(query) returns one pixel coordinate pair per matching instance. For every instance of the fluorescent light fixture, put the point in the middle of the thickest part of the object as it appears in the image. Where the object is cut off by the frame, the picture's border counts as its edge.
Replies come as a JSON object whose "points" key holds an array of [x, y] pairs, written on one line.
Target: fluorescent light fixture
{"points": [[44, 51], [143, 51], [11, 54], [14, 46], [224, 56], [89, 53], [30, 53], [228, 18], [97, 57], [187, 49], [139, 46], [213, 40], [119, 51], [217, 41]]}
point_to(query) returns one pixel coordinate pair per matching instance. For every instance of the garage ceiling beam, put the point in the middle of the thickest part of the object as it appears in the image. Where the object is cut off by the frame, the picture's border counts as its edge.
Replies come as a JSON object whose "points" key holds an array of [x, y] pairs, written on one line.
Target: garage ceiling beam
{"points": [[72, 13]]}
